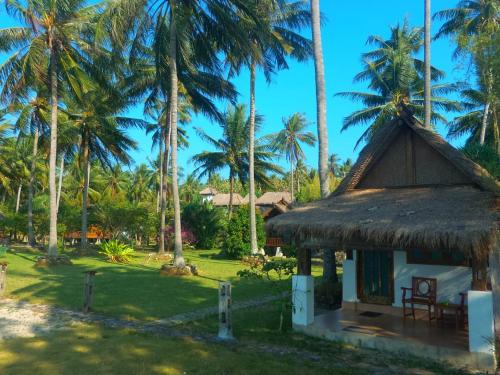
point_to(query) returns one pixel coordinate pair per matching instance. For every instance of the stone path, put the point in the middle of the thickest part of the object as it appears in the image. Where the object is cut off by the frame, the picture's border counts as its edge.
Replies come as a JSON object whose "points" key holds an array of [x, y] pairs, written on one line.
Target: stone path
{"points": [[23, 319]]}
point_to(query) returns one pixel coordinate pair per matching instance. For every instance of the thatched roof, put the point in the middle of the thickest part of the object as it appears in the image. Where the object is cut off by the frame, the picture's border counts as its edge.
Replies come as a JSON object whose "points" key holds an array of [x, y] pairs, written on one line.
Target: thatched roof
{"points": [[383, 139], [208, 191], [461, 216], [222, 199], [272, 197]]}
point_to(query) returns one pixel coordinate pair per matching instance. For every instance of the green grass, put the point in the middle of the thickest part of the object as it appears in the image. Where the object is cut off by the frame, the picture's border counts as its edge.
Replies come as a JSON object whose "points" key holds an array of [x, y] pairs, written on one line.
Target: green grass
{"points": [[90, 349], [132, 291]]}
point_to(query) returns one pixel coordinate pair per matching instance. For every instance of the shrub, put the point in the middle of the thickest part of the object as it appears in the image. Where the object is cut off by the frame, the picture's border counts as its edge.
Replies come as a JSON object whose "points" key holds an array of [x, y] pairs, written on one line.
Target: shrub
{"points": [[116, 251], [281, 266], [3, 250], [206, 222], [236, 242], [188, 238]]}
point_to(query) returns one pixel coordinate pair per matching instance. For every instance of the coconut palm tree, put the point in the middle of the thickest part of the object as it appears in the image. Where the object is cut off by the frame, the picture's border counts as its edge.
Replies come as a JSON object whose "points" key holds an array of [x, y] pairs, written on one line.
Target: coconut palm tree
{"points": [[271, 41], [395, 76], [232, 152], [287, 142], [190, 34], [319, 69], [475, 25], [471, 123], [47, 48], [101, 129]]}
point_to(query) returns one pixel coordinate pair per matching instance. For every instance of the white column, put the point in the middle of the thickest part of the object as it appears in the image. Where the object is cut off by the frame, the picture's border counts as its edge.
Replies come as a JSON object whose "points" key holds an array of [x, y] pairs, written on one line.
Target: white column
{"points": [[481, 327], [349, 288], [495, 283], [303, 300]]}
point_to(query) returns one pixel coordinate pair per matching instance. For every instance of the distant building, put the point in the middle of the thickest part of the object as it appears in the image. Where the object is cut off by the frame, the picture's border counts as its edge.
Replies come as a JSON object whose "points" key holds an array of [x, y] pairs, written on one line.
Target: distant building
{"points": [[208, 194], [223, 200]]}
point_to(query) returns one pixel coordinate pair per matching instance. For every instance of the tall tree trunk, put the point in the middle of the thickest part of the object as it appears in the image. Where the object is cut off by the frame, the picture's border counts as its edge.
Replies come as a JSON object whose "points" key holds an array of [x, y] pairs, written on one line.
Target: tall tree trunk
{"points": [[178, 256], [292, 191], [18, 200], [85, 198], [31, 232], [61, 173], [427, 63], [160, 187], [52, 251], [164, 181], [231, 193], [251, 162], [484, 124], [486, 111], [320, 97]]}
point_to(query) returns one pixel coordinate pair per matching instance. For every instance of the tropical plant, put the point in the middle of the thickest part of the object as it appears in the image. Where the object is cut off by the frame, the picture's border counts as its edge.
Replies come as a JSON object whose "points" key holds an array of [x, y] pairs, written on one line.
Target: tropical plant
{"points": [[475, 26], [49, 49], [471, 123], [206, 222], [395, 76], [287, 142], [101, 128], [270, 41], [116, 251], [236, 243], [232, 152]]}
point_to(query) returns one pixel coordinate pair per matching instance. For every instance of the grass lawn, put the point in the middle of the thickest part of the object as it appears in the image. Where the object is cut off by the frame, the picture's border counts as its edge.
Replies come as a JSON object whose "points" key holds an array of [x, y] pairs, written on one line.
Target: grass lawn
{"points": [[90, 349], [131, 291]]}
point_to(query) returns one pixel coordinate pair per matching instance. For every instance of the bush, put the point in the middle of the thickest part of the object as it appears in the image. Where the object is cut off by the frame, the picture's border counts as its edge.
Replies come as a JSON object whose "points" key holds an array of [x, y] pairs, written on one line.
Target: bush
{"points": [[236, 242], [188, 238], [116, 251], [206, 222]]}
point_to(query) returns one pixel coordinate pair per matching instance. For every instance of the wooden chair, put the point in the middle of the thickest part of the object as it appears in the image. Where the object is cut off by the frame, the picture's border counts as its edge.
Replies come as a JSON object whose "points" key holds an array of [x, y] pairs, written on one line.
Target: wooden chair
{"points": [[423, 291]]}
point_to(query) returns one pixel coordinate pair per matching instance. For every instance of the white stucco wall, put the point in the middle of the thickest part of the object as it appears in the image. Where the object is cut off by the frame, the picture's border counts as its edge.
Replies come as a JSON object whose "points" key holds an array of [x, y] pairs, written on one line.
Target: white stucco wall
{"points": [[451, 280], [349, 291]]}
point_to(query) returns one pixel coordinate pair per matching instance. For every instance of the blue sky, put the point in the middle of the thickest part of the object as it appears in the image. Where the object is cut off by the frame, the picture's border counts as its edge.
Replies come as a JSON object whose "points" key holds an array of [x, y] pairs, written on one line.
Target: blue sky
{"points": [[348, 25]]}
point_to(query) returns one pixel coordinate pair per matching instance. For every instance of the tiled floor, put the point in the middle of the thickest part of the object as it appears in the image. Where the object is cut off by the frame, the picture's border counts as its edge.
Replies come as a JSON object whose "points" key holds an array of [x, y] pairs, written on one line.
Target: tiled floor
{"points": [[391, 326]]}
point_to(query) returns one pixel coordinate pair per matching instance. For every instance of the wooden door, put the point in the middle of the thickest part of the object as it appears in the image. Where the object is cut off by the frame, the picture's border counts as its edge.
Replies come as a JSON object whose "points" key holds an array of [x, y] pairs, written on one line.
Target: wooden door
{"points": [[376, 276]]}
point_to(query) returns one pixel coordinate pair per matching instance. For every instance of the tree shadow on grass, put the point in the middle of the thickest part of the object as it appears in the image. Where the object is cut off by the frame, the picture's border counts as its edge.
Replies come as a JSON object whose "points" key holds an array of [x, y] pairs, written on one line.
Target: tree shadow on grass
{"points": [[87, 349]]}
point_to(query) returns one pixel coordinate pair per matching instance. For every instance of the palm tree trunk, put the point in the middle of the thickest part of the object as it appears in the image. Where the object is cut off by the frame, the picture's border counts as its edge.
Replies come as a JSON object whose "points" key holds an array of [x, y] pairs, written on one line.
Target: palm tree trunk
{"points": [[52, 251], [18, 200], [251, 161], [292, 191], [85, 198], [231, 194], [484, 124], [427, 63], [320, 97], [160, 189], [59, 187], [178, 256], [164, 180], [31, 232]]}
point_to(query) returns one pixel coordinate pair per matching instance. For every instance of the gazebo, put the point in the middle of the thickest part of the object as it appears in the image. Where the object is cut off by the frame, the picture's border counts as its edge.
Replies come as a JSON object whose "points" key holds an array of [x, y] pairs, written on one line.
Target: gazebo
{"points": [[412, 208]]}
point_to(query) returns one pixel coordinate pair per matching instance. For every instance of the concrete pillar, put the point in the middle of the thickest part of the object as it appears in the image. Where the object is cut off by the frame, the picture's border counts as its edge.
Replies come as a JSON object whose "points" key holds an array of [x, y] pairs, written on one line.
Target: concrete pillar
{"points": [[481, 327], [225, 324], [349, 286], [302, 300], [495, 283]]}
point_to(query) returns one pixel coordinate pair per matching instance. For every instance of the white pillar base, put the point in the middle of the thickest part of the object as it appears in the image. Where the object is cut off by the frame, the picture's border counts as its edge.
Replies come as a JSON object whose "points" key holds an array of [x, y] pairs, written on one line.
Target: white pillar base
{"points": [[303, 300], [481, 322]]}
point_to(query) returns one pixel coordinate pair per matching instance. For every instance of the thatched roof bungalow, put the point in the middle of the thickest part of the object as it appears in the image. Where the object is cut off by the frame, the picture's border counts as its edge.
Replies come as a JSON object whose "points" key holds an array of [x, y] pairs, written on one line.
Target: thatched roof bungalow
{"points": [[412, 207]]}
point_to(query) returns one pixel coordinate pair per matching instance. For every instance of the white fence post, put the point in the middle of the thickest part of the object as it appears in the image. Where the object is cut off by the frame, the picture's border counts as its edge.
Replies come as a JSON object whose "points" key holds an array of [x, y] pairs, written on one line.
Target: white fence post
{"points": [[225, 323]]}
